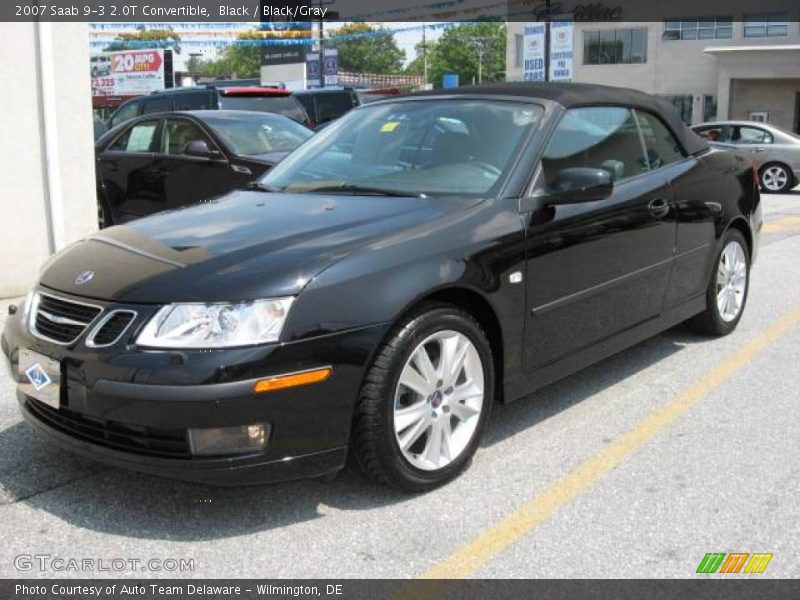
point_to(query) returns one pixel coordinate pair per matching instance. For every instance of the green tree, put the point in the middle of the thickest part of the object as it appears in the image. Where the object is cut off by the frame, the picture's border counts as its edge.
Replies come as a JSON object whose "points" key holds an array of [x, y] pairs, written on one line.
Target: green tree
{"points": [[242, 60], [476, 51], [155, 38], [372, 51]]}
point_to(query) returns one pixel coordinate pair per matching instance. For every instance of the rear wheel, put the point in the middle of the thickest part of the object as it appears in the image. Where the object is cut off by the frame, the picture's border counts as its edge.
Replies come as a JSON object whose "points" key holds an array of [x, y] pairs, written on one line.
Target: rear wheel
{"points": [[776, 178], [426, 400], [727, 290]]}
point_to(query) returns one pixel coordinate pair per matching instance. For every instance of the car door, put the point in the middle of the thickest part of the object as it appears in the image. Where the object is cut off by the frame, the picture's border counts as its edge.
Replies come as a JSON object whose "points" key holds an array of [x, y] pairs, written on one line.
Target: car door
{"points": [[597, 268], [125, 171], [190, 179], [695, 210]]}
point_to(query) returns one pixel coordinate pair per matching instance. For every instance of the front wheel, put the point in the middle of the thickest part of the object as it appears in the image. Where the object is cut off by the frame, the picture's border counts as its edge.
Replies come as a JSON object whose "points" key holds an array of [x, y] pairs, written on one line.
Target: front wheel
{"points": [[426, 400], [727, 290]]}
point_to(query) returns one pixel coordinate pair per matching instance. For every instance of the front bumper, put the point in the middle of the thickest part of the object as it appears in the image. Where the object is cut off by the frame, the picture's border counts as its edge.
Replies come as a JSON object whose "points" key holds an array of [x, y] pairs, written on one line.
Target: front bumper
{"points": [[132, 408]]}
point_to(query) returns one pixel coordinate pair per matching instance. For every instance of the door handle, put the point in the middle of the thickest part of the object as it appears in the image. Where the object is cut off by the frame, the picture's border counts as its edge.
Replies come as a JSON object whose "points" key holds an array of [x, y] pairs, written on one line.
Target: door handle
{"points": [[659, 207]]}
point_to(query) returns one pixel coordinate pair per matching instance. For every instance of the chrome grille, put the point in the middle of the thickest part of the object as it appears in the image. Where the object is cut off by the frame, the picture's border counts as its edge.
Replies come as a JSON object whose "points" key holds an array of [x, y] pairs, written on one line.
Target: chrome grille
{"points": [[60, 320], [110, 328]]}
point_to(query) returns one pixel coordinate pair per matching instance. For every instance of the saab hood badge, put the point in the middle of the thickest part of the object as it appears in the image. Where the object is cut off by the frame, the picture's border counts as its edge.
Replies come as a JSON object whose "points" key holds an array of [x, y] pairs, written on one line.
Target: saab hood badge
{"points": [[84, 277]]}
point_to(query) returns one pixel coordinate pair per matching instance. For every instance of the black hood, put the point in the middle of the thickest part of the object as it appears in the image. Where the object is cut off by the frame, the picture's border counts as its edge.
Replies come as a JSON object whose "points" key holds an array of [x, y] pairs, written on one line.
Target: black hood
{"points": [[244, 246]]}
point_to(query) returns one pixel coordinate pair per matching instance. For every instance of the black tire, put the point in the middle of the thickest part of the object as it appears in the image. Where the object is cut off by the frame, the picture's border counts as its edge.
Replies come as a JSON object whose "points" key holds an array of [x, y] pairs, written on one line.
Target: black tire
{"points": [[787, 185], [710, 321], [374, 445]]}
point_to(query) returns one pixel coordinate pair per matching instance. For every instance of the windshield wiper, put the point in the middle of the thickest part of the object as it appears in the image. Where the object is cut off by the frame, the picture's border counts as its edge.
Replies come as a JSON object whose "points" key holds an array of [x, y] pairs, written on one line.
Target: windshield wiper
{"points": [[363, 189], [263, 187]]}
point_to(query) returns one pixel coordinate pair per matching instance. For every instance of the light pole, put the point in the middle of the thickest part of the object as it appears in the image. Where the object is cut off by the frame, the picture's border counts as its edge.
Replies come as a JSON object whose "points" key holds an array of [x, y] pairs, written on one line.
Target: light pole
{"points": [[481, 46]]}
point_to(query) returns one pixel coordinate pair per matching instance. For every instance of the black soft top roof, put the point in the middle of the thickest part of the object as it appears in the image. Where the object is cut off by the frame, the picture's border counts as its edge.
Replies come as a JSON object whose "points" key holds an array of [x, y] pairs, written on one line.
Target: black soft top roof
{"points": [[570, 95]]}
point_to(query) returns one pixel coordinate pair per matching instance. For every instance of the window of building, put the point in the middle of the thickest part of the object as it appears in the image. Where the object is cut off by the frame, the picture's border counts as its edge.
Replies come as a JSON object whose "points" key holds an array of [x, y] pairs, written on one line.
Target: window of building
{"points": [[709, 108], [761, 25], [705, 28], [603, 137], [682, 102], [662, 147], [519, 50], [615, 46]]}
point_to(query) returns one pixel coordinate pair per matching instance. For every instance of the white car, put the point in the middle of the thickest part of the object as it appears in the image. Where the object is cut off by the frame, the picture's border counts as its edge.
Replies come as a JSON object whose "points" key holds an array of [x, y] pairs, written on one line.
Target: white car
{"points": [[775, 151]]}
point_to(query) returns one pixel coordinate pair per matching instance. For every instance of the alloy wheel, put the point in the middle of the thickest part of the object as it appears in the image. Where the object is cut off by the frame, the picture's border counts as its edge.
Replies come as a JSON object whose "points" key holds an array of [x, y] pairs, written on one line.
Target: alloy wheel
{"points": [[438, 400], [775, 178], [731, 281]]}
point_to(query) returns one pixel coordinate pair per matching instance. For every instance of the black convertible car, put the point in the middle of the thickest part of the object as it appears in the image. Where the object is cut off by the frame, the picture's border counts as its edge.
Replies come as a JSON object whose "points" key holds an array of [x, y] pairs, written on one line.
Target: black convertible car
{"points": [[384, 285]]}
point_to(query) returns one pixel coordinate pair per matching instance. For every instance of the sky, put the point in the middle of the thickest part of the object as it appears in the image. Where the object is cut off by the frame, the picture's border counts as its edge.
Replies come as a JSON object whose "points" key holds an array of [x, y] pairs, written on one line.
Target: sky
{"points": [[409, 34]]}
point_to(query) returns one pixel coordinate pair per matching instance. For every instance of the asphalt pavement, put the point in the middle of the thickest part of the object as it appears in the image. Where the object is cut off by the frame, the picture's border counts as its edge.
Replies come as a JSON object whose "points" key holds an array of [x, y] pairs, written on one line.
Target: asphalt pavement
{"points": [[636, 467]]}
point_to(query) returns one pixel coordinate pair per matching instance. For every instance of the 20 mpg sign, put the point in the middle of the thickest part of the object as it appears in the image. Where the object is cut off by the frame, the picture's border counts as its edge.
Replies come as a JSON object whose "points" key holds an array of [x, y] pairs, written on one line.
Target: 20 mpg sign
{"points": [[128, 72]]}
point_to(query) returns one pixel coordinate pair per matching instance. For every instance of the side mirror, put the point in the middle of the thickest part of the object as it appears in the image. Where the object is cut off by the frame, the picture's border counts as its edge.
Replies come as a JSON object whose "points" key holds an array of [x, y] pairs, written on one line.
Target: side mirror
{"points": [[199, 149], [579, 184]]}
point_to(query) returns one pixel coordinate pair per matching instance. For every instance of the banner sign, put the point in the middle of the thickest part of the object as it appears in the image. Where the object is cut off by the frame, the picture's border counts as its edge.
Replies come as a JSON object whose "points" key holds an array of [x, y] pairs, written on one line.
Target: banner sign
{"points": [[284, 42], [561, 49], [127, 73], [330, 66], [533, 52], [313, 70]]}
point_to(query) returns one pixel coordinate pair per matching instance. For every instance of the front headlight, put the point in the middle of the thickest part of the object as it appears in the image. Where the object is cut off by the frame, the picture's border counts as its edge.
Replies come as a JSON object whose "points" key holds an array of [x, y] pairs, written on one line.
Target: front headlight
{"points": [[216, 325]]}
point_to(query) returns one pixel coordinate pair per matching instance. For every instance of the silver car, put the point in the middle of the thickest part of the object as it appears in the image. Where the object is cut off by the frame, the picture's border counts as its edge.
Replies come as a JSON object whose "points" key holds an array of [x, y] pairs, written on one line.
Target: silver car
{"points": [[775, 152]]}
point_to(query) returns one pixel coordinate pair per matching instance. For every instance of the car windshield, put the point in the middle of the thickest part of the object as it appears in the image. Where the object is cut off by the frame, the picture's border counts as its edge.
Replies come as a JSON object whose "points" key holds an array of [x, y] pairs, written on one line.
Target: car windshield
{"points": [[248, 134], [418, 147]]}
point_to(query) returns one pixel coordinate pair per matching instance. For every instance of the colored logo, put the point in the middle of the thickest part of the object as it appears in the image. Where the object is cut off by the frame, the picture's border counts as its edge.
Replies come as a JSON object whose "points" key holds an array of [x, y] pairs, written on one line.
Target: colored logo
{"points": [[37, 376], [84, 277], [734, 562]]}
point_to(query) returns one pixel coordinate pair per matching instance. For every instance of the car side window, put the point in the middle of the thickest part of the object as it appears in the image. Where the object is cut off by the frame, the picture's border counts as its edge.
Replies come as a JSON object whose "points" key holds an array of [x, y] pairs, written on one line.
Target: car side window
{"points": [[179, 132], [602, 137], [193, 101], [662, 147], [714, 133], [140, 138], [158, 104], [125, 113], [751, 135]]}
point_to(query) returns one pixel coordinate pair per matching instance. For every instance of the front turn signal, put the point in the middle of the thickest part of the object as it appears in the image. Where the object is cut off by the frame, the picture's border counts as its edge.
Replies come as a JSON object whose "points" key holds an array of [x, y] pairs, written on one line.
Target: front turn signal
{"points": [[281, 382]]}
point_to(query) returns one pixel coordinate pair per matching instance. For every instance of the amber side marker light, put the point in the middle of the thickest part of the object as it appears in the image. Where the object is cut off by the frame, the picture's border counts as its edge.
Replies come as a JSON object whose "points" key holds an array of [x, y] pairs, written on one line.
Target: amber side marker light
{"points": [[281, 382]]}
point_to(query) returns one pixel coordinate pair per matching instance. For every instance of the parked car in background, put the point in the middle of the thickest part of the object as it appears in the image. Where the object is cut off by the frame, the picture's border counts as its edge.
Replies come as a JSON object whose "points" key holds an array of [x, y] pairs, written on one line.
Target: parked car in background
{"points": [[167, 160], [99, 126], [382, 287], [214, 97], [367, 96], [100, 65], [324, 106], [774, 151]]}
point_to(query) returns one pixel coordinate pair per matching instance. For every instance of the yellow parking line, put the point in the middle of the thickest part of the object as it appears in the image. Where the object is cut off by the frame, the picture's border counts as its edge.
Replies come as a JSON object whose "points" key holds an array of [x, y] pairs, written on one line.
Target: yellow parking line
{"points": [[784, 224], [465, 561]]}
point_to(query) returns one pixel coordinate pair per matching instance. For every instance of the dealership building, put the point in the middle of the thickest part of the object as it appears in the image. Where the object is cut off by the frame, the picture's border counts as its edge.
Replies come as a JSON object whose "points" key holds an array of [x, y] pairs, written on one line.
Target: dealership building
{"points": [[723, 66]]}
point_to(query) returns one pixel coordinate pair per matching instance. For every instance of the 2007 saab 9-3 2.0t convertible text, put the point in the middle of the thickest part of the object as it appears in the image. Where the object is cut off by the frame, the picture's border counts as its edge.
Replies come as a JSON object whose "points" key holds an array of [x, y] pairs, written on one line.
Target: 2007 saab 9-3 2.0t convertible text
{"points": [[384, 285]]}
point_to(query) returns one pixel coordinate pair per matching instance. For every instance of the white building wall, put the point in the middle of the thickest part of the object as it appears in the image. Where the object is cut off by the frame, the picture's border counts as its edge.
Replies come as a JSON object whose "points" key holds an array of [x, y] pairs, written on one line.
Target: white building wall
{"points": [[680, 67], [48, 197]]}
